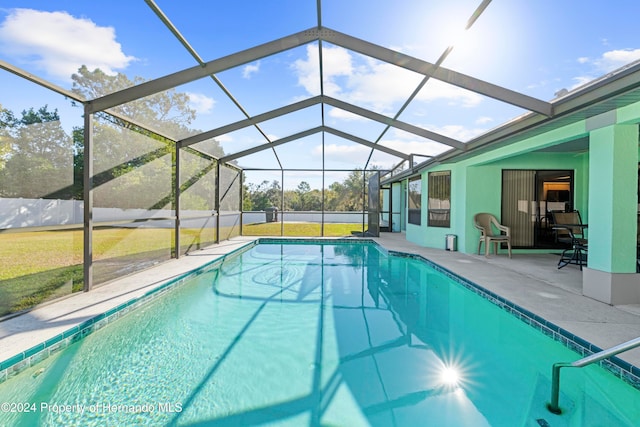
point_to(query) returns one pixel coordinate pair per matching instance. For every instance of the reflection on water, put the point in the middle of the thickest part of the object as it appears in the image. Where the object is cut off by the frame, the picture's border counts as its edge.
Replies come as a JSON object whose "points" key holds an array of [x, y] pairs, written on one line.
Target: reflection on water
{"points": [[311, 335]]}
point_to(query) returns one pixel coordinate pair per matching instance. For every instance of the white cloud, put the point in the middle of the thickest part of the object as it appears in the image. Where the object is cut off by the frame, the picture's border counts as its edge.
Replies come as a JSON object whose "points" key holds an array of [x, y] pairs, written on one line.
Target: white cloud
{"points": [[224, 138], [400, 141], [383, 160], [201, 103], [608, 62], [338, 113], [458, 132], [414, 146], [341, 152], [60, 43], [483, 120], [617, 58], [350, 155], [380, 85], [370, 83], [336, 63], [435, 89], [408, 143], [250, 69], [579, 81]]}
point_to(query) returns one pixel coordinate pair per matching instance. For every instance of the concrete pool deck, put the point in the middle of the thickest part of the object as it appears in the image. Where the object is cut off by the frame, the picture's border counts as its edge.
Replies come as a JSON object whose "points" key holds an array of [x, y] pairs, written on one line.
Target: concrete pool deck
{"points": [[531, 281]]}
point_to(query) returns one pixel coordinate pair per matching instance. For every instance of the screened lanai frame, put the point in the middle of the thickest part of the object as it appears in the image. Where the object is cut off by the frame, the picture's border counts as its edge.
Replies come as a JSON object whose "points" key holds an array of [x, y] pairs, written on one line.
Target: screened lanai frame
{"points": [[110, 102], [320, 35]]}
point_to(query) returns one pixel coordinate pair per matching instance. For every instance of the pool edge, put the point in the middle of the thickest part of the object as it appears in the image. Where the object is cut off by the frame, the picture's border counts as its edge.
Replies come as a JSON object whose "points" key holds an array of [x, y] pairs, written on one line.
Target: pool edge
{"points": [[12, 366], [624, 370], [19, 362]]}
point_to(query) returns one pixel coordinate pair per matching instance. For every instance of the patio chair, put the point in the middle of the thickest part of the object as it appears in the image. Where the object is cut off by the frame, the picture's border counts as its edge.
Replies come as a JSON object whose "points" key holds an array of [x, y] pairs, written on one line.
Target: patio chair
{"points": [[491, 231], [569, 229]]}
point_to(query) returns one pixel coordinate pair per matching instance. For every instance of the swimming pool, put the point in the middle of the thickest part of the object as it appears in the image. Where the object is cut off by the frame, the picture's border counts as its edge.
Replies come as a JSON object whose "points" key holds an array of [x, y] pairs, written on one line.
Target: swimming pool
{"points": [[318, 333]]}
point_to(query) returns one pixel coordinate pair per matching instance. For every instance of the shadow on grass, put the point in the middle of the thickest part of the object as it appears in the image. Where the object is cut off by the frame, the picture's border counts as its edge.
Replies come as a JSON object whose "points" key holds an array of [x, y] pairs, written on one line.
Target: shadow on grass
{"points": [[27, 291], [24, 292]]}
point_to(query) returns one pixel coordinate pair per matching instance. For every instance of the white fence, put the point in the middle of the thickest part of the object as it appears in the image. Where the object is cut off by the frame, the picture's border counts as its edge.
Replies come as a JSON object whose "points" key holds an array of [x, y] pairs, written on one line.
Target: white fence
{"points": [[306, 216], [19, 213]]}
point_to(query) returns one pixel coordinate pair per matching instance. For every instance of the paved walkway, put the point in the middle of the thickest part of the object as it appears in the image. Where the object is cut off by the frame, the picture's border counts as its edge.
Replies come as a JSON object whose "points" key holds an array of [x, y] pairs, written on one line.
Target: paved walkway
{"points": [[529, 280]]}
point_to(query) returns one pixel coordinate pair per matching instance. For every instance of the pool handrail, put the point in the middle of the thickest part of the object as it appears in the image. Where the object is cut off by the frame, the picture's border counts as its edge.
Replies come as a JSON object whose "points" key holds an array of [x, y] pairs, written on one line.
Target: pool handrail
{"points": [[553, 406]]}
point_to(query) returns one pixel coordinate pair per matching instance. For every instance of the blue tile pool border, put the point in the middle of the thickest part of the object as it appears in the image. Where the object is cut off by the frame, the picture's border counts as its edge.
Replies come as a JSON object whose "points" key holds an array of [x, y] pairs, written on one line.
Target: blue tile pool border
{"points": [[618, 367], [14, 365], [21, 361]]}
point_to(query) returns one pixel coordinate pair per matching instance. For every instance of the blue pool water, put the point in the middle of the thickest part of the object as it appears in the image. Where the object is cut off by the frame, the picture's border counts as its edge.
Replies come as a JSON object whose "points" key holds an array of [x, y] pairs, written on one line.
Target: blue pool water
{"points": [[330, 334]]}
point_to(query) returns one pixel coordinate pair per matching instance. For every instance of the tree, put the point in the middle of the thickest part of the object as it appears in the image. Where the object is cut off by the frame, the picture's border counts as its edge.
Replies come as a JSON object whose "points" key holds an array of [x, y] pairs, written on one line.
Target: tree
{"points": [[261, 196], [168, 111], [37, 155], [303, 198], [6, 122], [132, 166], [349, 195]]}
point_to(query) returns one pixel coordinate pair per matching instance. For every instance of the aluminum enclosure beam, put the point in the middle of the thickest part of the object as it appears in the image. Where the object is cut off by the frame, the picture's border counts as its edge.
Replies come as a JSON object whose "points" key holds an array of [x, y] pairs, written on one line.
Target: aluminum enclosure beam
{"points": [[39, 81], [289, 42], [613, 91], [76, 97], [87, 196], [275, 143], [330, 101], [200, 71], [394, 123], [366, 143], [231, 127], [308, 132], [440, 73], [176, 33]]}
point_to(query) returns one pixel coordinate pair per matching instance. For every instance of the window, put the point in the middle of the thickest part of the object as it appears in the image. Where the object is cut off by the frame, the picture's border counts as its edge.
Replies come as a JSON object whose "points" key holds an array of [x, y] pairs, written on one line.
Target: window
{"points": [[415, 200], [439, 199]]}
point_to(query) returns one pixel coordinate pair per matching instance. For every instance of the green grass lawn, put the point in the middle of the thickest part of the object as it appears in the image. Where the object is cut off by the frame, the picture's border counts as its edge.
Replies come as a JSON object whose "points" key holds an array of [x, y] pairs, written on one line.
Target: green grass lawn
{"points": [[39, 266], [300, 229]]}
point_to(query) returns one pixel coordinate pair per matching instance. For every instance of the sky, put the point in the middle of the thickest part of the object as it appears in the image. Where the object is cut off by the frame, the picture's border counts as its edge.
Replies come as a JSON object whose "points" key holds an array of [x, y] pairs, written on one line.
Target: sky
{"points": [[532, 47]]}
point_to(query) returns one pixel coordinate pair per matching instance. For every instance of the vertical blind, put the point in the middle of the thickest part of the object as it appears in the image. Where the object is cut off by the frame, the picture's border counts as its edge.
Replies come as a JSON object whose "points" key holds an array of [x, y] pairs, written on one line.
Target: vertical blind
{"points": [[415, 201], [518, 196], [439, 199]]}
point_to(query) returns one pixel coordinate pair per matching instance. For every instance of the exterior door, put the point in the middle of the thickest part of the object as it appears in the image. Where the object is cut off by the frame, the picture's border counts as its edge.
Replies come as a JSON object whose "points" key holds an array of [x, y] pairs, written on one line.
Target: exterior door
{"points": [[528, 198], [518, 207]]}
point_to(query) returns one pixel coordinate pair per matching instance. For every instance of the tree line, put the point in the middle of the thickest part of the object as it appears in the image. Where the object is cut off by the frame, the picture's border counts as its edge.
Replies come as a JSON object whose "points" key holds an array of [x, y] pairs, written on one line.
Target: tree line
{"points": [[133, 167], [348, 195]]}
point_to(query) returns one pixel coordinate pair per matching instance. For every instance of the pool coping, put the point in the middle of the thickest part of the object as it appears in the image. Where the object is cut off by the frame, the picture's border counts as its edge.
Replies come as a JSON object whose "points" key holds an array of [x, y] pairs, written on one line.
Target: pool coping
{"points": [[12, 366], [622, 369], [27, 358]]}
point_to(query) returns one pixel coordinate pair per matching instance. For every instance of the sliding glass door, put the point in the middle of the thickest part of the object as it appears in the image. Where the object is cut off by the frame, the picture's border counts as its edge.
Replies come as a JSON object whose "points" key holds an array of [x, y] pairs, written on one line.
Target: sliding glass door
{"points": [[528, 198]]}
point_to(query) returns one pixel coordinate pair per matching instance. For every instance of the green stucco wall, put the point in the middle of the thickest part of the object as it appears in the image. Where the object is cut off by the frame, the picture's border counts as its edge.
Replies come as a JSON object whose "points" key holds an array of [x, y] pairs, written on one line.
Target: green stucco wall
{"points": [[613, 199], [476, 184]]}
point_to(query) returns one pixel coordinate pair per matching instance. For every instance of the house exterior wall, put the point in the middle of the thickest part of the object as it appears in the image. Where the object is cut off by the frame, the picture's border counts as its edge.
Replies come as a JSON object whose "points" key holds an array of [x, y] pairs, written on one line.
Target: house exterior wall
{"points": [[477, 188], [605, 192], [476, 184]]}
